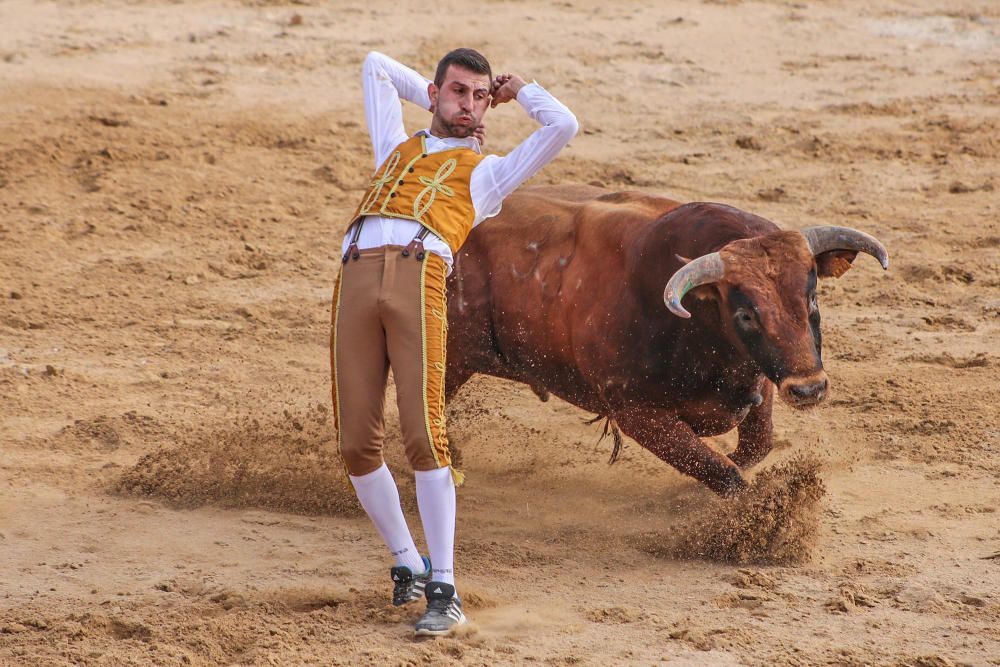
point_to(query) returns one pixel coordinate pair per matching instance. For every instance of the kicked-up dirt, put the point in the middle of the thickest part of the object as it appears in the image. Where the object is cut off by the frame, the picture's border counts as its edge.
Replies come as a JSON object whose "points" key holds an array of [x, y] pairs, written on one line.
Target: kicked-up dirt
{"points": [[174, 180]]}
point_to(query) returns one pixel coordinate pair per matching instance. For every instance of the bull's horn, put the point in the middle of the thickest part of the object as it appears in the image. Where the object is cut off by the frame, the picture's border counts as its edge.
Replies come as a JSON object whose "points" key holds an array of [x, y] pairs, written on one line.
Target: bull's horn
{"points": [[705, 269], [825, 238]]}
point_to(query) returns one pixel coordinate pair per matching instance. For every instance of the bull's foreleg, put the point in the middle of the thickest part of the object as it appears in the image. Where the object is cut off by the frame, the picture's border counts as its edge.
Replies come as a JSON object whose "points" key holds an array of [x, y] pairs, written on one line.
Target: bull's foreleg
{"points": [[755, 431], [673, 441]]}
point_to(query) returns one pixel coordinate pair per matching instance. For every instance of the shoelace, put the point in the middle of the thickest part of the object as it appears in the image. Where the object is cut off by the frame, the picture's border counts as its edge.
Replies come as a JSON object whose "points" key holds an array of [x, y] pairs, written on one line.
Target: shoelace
{"points": [[439, 605]]}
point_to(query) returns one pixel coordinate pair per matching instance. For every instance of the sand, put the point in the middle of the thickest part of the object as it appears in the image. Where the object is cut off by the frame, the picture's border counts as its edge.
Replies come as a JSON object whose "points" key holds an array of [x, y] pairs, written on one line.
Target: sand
{"points": [[174, 177]]}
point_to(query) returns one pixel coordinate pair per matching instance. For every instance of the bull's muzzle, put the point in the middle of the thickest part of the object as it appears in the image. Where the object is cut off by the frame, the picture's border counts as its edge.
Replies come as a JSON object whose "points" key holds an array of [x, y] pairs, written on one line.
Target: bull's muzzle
{"points": [[802, 392]]}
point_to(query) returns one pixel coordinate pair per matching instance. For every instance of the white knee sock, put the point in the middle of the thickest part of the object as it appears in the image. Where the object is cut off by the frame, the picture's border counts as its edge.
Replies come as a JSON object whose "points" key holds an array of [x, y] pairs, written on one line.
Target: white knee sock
{"points": [[436, 500], [379, 496]]}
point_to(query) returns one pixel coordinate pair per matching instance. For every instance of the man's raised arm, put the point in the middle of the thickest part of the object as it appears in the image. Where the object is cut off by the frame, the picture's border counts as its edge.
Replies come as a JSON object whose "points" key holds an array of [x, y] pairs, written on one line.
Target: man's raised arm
{"points": [[385, 82], [559, 126]]}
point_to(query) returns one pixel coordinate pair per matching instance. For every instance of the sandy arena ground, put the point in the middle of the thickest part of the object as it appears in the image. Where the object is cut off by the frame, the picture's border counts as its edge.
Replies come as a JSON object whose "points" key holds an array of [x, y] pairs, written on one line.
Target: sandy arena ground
{"points": [[173, 181]]}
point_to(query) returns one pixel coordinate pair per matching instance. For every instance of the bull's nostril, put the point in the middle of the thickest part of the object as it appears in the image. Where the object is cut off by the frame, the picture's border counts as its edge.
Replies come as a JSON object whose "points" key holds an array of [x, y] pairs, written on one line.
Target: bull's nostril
{"points": [[813, 390]]}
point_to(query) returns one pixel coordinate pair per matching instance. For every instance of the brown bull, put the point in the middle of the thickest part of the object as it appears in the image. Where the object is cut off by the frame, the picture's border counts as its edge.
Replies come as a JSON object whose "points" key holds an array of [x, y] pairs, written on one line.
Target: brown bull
{"points": [[577, 292]]}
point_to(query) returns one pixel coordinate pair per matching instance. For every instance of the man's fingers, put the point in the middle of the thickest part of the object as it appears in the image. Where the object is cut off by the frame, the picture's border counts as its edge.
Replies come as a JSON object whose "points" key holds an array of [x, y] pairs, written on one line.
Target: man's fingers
{"points": [[497, 91], [500, 97], [503, 94]]}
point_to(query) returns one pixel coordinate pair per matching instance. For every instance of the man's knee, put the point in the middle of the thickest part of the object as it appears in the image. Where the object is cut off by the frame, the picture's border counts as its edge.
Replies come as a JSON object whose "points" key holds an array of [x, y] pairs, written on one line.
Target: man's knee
{"points": [[361, 459], [422, 455], [423, 461]]}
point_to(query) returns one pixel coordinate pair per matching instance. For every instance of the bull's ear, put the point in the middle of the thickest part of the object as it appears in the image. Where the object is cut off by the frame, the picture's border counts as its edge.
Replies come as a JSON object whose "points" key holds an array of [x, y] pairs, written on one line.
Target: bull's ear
{"points": [[701, 292], [709, 292], [834, 263]]}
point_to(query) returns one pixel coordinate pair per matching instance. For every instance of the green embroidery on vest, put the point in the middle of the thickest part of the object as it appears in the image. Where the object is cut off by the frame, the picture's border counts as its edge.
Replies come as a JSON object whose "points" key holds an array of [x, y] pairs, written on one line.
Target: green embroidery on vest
{"points": [[434, 186], [377, 184]]}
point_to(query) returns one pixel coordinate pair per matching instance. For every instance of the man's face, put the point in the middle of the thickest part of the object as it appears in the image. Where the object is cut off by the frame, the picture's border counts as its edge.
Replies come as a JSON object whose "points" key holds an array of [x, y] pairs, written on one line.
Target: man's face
{"points": [[461, 102]]}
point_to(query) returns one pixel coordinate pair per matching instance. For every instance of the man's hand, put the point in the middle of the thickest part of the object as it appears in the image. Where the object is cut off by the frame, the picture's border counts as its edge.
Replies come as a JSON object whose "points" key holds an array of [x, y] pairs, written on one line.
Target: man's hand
{"points": [[505, 88], [480, 133]]}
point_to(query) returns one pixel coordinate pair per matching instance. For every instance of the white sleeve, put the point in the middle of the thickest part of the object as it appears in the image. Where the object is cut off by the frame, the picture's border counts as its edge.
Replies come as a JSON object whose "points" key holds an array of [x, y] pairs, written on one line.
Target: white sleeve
{"points": [[385, 82], [497, 177]]}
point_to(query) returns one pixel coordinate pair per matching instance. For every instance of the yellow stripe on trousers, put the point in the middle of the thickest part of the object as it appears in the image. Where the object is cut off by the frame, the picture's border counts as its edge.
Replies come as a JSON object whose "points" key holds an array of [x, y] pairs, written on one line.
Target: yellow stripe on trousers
{"points": [[335, 314], [434, 327]]}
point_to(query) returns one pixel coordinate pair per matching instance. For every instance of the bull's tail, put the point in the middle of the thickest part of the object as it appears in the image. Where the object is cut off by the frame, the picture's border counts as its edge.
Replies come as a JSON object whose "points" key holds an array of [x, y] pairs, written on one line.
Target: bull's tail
{"points": [[610, 426]]}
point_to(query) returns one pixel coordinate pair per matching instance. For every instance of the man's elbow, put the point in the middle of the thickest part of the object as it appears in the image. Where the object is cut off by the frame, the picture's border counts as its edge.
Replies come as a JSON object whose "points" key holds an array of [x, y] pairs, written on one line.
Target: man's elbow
{"points": [[372, 61], [568, 128]]}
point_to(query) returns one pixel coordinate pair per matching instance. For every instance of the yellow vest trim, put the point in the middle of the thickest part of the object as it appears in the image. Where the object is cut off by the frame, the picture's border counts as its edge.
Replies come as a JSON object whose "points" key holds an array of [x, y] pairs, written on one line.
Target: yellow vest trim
{"points": [[432, 189], [434, 186], [377, 184]]}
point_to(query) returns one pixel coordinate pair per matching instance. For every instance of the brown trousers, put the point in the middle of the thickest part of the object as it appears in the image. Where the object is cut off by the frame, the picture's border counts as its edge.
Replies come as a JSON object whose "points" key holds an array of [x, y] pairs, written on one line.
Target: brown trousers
{"points": [[390, 311]]}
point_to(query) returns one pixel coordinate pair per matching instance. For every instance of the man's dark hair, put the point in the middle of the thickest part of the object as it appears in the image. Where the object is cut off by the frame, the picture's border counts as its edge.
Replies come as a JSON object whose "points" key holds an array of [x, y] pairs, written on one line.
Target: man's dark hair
{"points": [[469, 59]]}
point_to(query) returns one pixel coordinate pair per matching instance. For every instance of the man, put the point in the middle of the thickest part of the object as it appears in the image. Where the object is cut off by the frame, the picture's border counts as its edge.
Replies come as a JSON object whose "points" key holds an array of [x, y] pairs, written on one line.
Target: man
{"points": [[389, 309]]}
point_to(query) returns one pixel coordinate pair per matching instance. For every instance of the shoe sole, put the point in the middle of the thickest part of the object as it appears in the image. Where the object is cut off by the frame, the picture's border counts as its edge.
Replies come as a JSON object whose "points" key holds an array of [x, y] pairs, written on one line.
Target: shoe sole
{"points": [[402, 604], [406, 602], [422, 632]]}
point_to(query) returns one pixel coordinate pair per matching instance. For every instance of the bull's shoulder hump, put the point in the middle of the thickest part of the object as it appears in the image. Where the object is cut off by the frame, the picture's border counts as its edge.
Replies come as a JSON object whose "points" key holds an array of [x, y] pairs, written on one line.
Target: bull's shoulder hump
{"points": [[638, 199], [721, 216], [632, 204], [564, 193], [584, 194]]}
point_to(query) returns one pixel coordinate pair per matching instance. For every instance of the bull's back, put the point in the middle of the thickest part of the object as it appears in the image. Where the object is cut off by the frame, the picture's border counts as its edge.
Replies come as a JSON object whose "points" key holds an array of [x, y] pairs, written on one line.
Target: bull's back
{"points": [[527, 281], [538, 214]]}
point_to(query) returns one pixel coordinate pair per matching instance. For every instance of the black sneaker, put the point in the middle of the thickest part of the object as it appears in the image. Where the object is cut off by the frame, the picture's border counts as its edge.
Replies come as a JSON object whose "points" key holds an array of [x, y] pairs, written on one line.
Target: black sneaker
{"points": [[407, 586], [444, 611]]}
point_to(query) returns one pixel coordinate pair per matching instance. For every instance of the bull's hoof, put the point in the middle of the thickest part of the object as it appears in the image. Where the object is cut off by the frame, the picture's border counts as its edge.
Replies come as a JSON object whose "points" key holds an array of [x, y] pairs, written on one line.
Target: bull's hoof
{"points": [[732, 485], [746, 459]]}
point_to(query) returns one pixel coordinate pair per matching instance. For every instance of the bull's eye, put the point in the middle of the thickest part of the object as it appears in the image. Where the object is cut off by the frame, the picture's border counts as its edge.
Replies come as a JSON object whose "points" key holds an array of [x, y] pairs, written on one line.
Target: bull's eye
{"points": [[813, 303], [745, 319]]}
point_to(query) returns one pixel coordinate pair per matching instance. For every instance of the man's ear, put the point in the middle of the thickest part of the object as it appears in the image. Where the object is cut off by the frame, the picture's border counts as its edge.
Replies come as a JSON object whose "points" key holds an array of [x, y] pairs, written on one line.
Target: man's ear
{"points": [[834, 263], [432, 92]]}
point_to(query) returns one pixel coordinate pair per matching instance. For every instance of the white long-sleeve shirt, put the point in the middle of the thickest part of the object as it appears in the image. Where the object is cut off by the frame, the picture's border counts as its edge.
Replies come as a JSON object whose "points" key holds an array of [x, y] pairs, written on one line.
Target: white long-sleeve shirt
{"points": [[386, 82]]}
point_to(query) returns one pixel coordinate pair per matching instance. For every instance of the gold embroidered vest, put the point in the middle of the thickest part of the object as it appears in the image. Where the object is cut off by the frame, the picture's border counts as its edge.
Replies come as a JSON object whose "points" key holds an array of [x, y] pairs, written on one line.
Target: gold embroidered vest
{"points": [[432, 189]]}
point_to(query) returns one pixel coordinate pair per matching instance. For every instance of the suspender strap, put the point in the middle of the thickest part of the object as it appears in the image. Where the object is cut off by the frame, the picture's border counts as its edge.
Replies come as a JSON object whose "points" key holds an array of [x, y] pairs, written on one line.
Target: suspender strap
{"points": [[416, 246], [352, 250]]}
